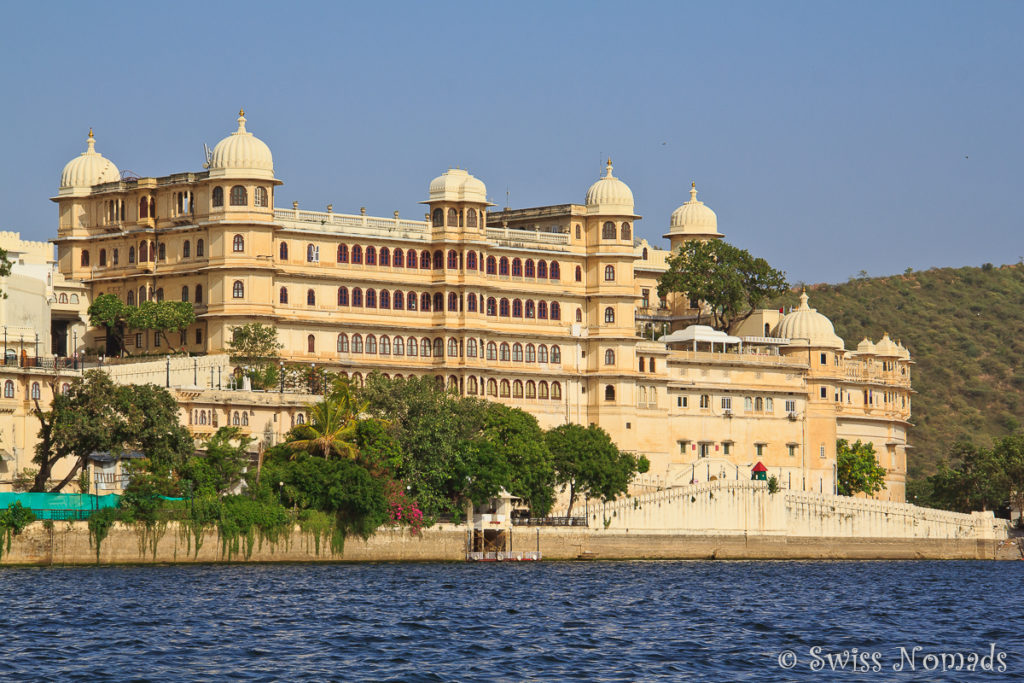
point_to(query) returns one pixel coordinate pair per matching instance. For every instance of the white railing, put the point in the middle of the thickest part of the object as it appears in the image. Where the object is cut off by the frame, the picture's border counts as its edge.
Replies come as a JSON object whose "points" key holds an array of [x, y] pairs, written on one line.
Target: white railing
{"points": [[508, 237], [516, 556], [326, 221]]}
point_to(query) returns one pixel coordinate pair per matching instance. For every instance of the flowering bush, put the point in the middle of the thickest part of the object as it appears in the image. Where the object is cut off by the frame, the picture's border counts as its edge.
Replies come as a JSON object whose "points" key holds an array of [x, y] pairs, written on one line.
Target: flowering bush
{"points": [[402, 509]]}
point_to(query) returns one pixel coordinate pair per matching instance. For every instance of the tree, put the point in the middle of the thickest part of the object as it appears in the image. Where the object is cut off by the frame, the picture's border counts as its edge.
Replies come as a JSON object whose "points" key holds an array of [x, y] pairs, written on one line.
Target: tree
{"points": [[255, 347], [331, 430], [730, 281], [588, 462], [1009, 451], [976, 481], [857, 468], [94, 414], [513, 436], [161, 317], [219, 468], [5, 268], [110, 312]]}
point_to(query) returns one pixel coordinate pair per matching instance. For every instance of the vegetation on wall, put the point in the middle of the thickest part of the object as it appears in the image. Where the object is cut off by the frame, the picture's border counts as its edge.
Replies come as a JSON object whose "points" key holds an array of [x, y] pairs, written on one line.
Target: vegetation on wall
{"points": [[13, 521], [965, 333]]}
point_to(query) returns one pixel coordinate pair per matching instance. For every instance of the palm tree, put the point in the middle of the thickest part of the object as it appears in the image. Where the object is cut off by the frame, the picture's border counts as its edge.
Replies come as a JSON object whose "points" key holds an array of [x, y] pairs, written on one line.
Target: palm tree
{"points": [[332, 426]]}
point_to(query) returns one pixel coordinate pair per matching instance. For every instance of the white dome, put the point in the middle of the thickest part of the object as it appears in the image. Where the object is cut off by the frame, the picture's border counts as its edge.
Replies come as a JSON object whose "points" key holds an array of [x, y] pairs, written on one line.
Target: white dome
{"points": [[694, 218], [609, 195], [87, 169], [806, 327], [241, 154], [886, 347], [457, 185]]}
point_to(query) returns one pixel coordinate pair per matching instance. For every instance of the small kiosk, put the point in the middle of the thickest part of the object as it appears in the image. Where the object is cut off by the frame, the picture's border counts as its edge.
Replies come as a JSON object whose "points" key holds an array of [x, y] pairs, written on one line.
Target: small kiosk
{"points": [[760, 472]]}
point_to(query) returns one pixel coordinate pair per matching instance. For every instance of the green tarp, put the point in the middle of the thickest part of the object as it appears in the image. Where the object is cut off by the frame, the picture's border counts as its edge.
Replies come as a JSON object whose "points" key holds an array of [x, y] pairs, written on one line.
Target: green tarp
{"points": [[60, 505]]}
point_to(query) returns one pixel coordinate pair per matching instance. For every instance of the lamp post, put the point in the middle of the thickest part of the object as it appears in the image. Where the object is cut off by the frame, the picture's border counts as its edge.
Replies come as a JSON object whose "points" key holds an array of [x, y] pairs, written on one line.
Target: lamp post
{"points": [[281, 373], [168, 383], [195, 372], [35, 349], [312, 378], [74, 344]]}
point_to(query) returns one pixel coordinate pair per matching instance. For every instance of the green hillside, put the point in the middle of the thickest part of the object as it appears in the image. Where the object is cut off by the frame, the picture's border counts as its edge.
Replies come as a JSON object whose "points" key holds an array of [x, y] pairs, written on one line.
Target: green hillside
{"points": [[965, 331]]}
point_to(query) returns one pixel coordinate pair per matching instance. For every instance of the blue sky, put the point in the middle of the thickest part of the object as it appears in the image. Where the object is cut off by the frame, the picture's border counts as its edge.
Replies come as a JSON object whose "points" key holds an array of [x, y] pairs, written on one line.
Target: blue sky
{"points": [[829, 137]]}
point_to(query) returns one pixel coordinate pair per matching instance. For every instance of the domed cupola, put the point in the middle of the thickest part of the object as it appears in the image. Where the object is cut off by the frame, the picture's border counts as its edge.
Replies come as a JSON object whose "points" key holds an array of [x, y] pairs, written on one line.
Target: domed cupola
{"points": [[241, 155], [865, 348], [887, 348], [457, 185], [694, 219], [87, 169], [806, 327], [609, 195]]}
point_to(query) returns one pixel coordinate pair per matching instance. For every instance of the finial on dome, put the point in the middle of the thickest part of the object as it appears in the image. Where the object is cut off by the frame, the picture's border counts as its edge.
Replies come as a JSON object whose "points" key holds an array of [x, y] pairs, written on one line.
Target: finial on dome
{"points": [[241, 121], [608, 174], [803, 300], [693, 191], [91, 141]]}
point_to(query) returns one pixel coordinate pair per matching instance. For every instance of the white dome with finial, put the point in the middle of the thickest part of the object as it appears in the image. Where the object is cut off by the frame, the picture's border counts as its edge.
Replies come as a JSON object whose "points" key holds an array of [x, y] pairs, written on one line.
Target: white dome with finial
{"points": [[806, 327], [457, 185], [694, 218], [886, 347], [241, 154], [609, 195], [87, 169]]}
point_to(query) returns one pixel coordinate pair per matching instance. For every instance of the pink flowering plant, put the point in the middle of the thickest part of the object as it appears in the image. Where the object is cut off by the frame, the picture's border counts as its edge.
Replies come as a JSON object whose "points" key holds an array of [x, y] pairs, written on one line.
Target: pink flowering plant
{"points": [[402, 509]]}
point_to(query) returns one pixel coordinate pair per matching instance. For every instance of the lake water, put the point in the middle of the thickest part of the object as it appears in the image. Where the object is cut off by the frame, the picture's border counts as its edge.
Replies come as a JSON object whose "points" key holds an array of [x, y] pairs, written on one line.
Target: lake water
{"points": [[602, 621]]}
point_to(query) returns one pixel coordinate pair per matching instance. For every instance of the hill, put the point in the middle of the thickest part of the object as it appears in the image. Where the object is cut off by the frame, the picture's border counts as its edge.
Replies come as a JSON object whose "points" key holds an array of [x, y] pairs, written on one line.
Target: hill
{"points": [[965, 331]]}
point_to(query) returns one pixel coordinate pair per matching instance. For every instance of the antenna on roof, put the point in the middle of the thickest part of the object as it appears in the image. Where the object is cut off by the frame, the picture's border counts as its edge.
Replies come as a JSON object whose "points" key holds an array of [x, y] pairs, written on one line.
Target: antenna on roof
{"points": [[208, 154]]}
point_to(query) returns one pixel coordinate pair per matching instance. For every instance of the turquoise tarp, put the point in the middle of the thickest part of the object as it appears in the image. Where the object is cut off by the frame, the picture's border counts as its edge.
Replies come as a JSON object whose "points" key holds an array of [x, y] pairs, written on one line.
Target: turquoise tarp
{"points": [[60, 505]]}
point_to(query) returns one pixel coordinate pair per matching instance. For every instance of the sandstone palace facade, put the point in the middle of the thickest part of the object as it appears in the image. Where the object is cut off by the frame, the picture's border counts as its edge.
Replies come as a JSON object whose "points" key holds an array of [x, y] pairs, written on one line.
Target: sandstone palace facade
{"points": [[551, 309]]}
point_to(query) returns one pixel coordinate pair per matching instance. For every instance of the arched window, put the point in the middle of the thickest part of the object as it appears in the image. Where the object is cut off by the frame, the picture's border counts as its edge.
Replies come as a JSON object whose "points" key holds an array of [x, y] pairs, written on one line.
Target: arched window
{"points": [[186, 249], [142, 294], [438, 260], [412, 349], [517, 389], [554, 272], [236, 419], [608, 231], [542, 390], [371, 298], [385, 345], [35, 391], [644, 257], [399, 259], [63, 298], [542, 269], [471, 303], [504, 388], [131, 254], [130, 298], [453, 301], [238, 290], [385, 298], [517, 308], [238, 196], [143, 251], [385, 256], [517, 353], [115, 257], [542, 353], [245, 418], [503, 266], [438, 347], [609, 314], [492, 265], [103, 257], [492, 387], [260, 197], [399, 346], [531, 353], [453, 260], [556, 390], [471, 386], [64, 388], [410, 301], [531, 309], [371, 344], [342, 253], [609, 393], [453, 348], [162, 250], [542, 310], [184, 293], [357, 297], [471, 259], [641, 364], [424, 260], [200, 248], [517, 268], [357, 343], [531, 269], [199, 294], [85, 258], [579, 315], [218, 196], [453, 218], [609, 357], [437, 218], [492, 306], [9, 389], [342, 343], [503, 352], [237, 244], [626, 233], [609, 273], [556, 311], [144, 207], [310, 343], [425, 301], [357, 254], [74, 298], [425, 347], [310, 297], [503, 309], [438, 301], [471, 218], [471, 347], [371, 256], [399, 301], [492, 351], [556, 354]]}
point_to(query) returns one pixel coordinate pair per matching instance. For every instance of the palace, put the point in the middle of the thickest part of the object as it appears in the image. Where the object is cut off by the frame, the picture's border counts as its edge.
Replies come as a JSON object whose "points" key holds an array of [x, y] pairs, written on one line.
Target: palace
{"points": [[550, 309]]}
